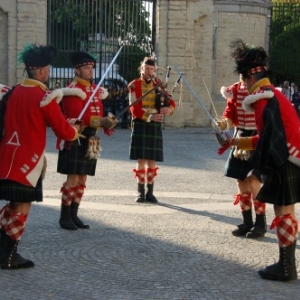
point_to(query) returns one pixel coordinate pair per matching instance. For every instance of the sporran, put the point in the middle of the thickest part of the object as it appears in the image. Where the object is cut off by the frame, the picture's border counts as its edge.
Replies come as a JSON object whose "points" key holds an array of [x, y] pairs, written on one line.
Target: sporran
{"points": [[94, 148]]}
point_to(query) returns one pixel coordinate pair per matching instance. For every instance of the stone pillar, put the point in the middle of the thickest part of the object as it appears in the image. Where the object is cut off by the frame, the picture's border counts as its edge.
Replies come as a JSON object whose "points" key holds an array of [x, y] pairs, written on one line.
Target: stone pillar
{"points": [[204, 28], [24, 21]]}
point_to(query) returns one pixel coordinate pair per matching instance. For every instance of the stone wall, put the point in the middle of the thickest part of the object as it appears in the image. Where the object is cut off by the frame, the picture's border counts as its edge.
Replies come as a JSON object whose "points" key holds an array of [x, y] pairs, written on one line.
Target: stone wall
{"points": [[24, 21], [204, 28], [3, 47]]}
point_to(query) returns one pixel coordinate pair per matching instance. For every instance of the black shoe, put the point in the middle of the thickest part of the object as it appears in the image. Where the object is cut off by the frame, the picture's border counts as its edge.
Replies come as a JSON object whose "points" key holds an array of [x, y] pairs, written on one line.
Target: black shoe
{"points": [[68, 226], [77, 222], [149, 195], [256, 232], [10, 258], [81, 225], [285, 268], [276, 272], [140, 199], [65, 220], [141, 193], [151, 198], [242, 230], [260, 227], [246, 226], [17, 262]]}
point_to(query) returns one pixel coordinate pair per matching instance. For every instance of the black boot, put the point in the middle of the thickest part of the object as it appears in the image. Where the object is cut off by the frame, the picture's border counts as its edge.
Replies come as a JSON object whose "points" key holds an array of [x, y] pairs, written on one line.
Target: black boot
{"points": [[10, 259], [246, 225], [75, 219], [285, 268], [2, 241], [260, 227], [141, 191], [65, 220], [149, 195]]}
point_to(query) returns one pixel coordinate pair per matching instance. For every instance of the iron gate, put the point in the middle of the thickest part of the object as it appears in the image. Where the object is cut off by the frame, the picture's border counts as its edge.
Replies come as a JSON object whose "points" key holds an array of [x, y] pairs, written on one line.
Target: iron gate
{"points": [[99, 27], [285, 41]]}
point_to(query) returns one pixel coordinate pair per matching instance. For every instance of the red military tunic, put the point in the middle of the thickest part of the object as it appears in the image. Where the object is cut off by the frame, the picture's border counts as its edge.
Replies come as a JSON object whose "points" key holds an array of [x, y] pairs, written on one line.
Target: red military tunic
{"points": [[73, 105], [261, 92], [146, 138], [146, 106], [29, 109], [73, 159], [234, 111]]}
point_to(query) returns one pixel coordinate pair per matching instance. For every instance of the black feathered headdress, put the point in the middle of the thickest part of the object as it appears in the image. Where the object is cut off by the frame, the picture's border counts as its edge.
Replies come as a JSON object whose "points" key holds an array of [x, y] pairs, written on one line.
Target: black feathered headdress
{"points": [[81, 58], [248, 58], [36, 57], [149, 60]]}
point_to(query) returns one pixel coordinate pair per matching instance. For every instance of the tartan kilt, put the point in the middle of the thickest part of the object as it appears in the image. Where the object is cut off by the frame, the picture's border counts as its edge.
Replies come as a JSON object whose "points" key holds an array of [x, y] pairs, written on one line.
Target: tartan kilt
{"points": [[146, 141], [237, 168], [282, 187], [14, 191], [73, 160]]}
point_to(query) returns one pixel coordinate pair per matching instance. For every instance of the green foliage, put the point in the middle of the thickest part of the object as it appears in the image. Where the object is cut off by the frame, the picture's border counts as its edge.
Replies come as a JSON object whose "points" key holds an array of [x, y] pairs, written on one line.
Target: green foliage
{"points": [[99, 26], [130, 60], [285, 42]]}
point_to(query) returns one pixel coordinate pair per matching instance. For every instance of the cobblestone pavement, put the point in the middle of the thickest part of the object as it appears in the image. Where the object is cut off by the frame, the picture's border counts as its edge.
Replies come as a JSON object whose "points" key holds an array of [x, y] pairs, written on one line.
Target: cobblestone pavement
{"points": [[181, 248]]}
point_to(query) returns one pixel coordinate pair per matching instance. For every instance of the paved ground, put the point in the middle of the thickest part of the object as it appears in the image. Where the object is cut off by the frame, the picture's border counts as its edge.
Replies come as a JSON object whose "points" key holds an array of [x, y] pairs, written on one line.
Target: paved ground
{"points": [[181, 248]]}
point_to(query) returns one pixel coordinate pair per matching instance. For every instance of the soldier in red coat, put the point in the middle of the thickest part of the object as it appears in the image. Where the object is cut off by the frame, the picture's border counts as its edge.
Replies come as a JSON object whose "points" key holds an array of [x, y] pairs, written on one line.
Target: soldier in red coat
{"points": [[78, 159], [238, 166], [276, 153], [146, 139], [25, 111]]}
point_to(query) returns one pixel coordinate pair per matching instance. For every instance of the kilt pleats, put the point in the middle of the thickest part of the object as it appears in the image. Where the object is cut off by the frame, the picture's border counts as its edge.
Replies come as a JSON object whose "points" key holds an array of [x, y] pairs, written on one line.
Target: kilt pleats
{"points": [[282, 187], [74, 160], [14, 191], [235, 167], [146, 141]]}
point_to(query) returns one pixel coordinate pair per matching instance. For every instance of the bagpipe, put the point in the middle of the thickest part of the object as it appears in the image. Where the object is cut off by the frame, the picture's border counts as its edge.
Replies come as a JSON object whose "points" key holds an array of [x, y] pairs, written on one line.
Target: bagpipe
{"points": [[162, 98]]}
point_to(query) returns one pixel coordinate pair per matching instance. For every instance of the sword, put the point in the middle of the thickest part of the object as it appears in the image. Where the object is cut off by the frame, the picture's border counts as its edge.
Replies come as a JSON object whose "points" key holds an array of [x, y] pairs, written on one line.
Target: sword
{"points": [[99, 84], [222, 135], [197, 65]]}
